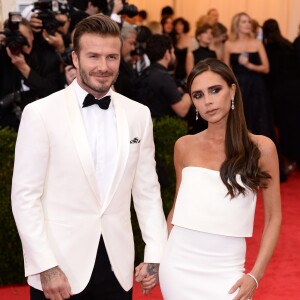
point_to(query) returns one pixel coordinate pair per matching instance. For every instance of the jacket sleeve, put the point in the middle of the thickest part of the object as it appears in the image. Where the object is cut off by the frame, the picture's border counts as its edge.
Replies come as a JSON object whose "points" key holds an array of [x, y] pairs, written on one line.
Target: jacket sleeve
{"points": [[30, 168], [147, 198]]}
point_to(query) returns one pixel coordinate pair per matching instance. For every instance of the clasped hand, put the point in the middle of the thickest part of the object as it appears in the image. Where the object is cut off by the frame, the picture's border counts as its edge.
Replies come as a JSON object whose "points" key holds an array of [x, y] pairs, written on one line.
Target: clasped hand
{"points": [[147, 275]]}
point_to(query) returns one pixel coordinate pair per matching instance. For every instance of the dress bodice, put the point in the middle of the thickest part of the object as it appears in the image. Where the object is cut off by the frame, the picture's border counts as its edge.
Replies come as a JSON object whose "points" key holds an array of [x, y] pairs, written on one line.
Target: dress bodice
{"points": [[180, 54], [202, 53], [203, 204], [240, 69]]}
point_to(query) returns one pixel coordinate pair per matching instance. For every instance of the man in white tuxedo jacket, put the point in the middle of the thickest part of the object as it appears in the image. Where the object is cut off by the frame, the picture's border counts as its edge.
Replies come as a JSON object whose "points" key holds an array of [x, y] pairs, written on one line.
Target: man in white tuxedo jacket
{"points": [[76, 167]]}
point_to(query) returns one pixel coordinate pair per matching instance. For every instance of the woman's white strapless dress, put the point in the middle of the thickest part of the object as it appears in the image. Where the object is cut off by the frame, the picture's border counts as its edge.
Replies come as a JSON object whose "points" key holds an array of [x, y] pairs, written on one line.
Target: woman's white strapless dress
{"points": [[205, 253]]}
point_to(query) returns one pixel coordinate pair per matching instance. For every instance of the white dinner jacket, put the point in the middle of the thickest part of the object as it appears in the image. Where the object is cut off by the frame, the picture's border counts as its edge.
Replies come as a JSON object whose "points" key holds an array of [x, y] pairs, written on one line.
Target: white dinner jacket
{"points": [[55, 199]]}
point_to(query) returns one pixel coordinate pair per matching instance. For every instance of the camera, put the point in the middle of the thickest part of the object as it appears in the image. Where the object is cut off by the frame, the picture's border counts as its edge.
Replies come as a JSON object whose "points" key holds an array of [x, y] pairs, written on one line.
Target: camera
{"points": [[14, 40], [10, 99], [129, 10], [46, 11]]}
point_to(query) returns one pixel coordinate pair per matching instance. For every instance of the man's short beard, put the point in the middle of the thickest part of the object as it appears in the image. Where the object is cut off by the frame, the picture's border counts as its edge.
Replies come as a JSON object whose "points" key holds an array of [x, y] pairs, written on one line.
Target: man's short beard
{"points": [[98, 89]]}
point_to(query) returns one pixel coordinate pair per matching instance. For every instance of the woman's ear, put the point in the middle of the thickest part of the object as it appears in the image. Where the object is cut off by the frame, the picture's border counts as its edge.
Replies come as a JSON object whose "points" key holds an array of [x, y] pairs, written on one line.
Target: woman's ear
{"points": [[233, 89]]}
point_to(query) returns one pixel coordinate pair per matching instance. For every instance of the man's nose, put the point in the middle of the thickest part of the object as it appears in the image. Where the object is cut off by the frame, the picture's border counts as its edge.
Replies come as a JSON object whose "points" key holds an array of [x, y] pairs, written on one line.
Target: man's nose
{"points": [[102, 64]]}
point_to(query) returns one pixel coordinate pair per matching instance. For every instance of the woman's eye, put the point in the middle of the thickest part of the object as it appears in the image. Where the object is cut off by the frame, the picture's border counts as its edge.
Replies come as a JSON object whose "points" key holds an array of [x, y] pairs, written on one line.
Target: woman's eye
{"points": [[197, 95], [216, 90]]}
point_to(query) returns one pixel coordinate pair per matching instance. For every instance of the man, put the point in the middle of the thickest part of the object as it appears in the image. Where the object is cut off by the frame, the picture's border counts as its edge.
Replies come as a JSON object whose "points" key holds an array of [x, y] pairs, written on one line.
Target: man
{"points": [[76, 167], [83, 8], [125, 82], [157, 88], [26, 71]]}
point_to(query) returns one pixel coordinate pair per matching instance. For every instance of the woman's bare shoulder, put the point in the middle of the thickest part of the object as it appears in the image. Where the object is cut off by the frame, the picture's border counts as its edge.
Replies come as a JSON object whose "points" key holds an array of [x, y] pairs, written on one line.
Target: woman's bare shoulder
{"points": [[263, 142], [266, 146], [183, 141]]}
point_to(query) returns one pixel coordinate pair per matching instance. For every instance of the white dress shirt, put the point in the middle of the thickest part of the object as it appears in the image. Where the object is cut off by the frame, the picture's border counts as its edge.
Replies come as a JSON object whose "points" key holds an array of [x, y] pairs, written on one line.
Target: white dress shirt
{"points": [[101, 128]]}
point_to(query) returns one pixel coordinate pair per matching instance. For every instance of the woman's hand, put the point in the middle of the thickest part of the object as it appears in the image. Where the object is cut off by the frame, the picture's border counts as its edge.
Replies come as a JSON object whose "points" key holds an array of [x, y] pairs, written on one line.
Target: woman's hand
{"points": [[243, 59], [246, 286]]}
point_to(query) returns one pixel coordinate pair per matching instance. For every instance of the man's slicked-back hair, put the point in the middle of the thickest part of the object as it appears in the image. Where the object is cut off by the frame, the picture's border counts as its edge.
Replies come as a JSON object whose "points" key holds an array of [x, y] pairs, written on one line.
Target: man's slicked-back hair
{"points": [[99, 24]]}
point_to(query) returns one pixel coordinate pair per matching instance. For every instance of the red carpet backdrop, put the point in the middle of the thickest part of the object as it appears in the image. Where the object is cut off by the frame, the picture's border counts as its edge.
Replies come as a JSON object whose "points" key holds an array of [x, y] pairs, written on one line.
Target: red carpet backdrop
{"points": [[281, 281]]}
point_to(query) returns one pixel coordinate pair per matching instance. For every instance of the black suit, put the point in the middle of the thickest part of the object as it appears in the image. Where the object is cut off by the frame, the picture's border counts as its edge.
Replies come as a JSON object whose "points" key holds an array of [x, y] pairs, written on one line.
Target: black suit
{"points": [[42, 81], [125, 82], [102, 285]]}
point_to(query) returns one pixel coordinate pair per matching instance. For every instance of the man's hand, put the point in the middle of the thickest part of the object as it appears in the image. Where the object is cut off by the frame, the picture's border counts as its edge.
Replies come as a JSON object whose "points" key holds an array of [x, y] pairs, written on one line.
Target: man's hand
{"points": [[147, 275], [56, 41], [36, 23], [70, 73], [118, 6], [20, 62], [55, 284]]}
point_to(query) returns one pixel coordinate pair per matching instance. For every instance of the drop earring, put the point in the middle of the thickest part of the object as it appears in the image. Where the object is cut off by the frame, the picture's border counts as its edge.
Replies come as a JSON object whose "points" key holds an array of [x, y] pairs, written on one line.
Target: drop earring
{"points": [[232, 103], [197, 115]]}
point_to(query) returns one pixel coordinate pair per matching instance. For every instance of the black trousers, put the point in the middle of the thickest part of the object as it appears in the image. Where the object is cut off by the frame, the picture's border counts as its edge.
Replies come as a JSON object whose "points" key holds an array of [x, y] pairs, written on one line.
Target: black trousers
{"points": [[103, 284]]}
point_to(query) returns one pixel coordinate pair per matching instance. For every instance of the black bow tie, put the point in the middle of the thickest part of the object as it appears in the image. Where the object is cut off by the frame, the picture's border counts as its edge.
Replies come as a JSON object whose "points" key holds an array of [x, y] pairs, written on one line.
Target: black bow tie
{"points": [[90, 100]]}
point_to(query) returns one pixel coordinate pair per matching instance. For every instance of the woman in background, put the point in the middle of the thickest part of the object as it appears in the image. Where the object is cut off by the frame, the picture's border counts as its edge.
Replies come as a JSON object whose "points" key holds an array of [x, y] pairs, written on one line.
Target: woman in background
{"points": [[248, 59], [219, 32], [182, 44], [283, 82], [167, 25], [204, 38]]}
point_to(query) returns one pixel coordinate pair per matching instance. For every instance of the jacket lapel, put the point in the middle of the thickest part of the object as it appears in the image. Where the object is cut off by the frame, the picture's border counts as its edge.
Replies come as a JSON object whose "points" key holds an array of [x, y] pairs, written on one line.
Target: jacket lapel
{"points": [[123, 148], [81, 140]]}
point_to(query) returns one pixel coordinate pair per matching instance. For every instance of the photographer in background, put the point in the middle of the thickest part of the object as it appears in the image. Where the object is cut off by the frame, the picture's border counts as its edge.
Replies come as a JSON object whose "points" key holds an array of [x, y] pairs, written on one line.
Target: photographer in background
{"points": [[127, 74], [83, 8], [50, 22], [25, 74]]}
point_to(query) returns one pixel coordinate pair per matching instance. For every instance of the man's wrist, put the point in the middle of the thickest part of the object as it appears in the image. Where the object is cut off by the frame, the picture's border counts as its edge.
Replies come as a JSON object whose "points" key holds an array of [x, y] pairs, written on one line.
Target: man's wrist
{"points": [[152, 268]]}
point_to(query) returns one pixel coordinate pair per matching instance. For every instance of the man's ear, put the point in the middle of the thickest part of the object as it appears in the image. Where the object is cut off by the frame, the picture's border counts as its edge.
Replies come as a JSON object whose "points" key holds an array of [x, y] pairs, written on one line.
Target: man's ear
{"points": [[167, 54], [75, 59]]}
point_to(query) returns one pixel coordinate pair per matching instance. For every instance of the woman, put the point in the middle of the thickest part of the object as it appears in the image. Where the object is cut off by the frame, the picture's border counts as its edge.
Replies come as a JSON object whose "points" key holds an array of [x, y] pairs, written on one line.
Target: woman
{"points": [[167, 25], [283, 82], [220, 36], [248, 59], [182, 44], [204, 38], [219, 171]]}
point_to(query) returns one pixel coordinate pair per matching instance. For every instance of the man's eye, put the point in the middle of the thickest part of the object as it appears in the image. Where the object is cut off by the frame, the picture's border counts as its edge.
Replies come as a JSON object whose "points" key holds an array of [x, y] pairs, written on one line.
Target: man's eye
{"points": [[112, 57]]}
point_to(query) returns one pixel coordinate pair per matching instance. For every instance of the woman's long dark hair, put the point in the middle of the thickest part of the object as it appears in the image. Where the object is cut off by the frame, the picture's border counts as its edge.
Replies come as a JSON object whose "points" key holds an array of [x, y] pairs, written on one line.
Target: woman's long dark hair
{"points": [[242, 155], [272, 34]]}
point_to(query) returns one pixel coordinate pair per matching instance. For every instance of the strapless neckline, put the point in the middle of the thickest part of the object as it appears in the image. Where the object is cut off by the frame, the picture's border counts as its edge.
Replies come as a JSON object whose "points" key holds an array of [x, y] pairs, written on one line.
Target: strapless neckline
{"points": [[201, 168]]}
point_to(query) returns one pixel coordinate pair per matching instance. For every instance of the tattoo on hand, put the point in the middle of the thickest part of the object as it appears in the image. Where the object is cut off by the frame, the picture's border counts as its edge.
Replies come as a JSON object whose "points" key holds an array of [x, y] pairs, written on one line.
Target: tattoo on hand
{"points": [[152, 269], [48, 275]]}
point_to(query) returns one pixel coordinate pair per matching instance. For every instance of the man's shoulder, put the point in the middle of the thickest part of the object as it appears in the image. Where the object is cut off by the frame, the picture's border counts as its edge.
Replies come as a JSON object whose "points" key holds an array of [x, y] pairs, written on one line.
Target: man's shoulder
{"points": [[158, 74], [127, 102], [53, 99]]}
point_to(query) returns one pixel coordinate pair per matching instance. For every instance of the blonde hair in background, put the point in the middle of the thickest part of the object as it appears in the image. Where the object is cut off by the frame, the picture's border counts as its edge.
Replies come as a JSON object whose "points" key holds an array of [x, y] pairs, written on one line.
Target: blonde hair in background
{"points": [[234, 29]]}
